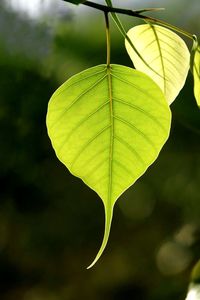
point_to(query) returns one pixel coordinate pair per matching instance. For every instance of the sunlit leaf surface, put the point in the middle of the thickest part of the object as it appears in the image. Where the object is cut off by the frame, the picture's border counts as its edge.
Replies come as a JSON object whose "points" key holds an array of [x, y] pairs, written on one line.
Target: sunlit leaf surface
{"points": [[165, 52], [107, 125], [194, 292], [195, 68]]}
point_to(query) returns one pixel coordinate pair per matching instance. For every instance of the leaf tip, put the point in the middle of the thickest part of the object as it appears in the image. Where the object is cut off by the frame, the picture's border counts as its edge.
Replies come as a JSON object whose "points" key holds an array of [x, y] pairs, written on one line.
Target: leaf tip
{"points": [[92, 264], [108, 221]]}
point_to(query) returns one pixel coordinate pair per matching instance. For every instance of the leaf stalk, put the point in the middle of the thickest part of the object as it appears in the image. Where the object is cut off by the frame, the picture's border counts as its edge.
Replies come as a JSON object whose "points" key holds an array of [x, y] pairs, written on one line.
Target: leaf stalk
{"points": [[107, 38]]}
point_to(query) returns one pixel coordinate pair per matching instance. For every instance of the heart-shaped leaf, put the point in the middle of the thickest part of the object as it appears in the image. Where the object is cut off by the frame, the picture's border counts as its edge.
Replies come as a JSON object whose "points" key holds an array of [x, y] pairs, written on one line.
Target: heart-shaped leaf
{"points": [[165, 52], [195, 68], [107, 124]]}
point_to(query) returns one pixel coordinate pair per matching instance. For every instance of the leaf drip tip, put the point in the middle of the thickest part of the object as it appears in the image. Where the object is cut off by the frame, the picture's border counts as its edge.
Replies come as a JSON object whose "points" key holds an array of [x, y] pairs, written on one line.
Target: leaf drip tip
{"points": [[108, 221]]}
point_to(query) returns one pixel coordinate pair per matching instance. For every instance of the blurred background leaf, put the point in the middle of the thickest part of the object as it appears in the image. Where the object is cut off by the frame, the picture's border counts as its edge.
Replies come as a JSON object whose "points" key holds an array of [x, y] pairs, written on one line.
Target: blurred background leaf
{"points": [[47, 230]]}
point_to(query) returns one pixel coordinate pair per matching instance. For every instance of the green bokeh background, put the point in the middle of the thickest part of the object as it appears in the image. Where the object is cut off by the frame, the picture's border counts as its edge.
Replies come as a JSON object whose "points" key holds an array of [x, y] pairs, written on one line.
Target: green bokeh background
{"points": [[51, 224]]}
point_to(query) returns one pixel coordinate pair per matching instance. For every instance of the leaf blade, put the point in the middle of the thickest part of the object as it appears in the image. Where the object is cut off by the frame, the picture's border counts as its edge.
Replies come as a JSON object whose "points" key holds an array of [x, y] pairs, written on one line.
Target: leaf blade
{"points": [[167, 54], [115, 124], [195, 68]]}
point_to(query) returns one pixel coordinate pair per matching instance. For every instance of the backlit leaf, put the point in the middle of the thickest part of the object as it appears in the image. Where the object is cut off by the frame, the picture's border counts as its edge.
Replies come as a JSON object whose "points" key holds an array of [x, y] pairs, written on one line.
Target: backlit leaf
{"points": [[195, 68], [195, 275], [193, 292], [194, 286], [165, 52], [107, 125]]}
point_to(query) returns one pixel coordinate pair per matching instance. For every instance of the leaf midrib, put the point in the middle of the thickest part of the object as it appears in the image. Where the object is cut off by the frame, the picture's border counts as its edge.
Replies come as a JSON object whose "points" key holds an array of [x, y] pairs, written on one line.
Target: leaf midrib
{"points": [[196, 60], [111, 136], [161, 58]]}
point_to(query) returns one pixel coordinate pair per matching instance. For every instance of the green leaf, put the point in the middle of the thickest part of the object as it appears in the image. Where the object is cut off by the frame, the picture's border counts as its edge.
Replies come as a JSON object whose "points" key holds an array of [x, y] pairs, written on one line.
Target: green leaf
{"points": [[195, 276], [195, 68], [75, 1], [165, 52], [107, 124]]}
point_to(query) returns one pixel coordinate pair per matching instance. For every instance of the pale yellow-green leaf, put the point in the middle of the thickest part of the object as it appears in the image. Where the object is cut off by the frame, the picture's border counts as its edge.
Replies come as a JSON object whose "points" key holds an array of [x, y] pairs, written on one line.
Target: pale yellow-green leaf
{"points": [[165, 52], [195, 68], [194, 286], [193, 292], [107, 124]]}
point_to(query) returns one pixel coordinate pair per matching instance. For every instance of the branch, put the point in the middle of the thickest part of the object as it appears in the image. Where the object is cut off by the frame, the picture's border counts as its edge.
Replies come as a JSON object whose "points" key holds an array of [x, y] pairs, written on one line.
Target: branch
{"points": [[128, 12], [137, 14]]}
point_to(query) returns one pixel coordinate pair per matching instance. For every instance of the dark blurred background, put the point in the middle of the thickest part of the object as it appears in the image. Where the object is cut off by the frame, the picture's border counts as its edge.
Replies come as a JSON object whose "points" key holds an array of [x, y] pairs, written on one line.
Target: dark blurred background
{"points": [[51, 224]]}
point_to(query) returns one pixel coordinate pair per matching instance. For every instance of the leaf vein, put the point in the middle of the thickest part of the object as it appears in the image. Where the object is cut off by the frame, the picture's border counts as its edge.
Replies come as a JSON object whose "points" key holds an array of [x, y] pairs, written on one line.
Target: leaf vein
{"points": [[81, 123], [161, 57], [87, 144], [77, 81], [111, 135], [133, 85], [77, 99], [138, 131], [123, 142], [170, 38], [122, 166], [135, 107]]}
